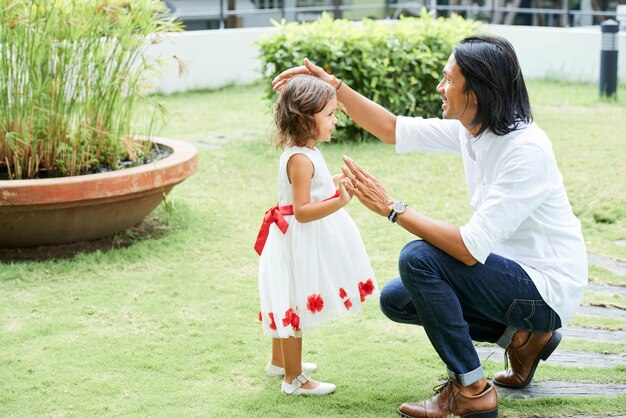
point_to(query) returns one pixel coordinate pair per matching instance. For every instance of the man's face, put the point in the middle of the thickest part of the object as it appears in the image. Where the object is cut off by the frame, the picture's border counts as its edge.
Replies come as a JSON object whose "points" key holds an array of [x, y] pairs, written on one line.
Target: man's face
{"points": [[456, 103]]}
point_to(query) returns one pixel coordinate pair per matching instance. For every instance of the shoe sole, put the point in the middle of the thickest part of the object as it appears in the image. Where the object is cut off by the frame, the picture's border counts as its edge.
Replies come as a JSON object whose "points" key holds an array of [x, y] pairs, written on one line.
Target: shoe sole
{"points": [[493, 413], [309, 392], [547, 350]]}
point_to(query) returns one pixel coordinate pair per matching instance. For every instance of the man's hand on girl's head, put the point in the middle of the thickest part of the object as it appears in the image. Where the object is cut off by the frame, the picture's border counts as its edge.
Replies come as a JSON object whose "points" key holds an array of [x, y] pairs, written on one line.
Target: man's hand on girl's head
{"points": [[308, 68]]}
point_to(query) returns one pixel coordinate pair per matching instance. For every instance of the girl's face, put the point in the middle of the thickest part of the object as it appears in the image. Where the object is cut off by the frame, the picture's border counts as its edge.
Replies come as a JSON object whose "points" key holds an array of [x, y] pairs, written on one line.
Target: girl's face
{"points": [[326, 120]]}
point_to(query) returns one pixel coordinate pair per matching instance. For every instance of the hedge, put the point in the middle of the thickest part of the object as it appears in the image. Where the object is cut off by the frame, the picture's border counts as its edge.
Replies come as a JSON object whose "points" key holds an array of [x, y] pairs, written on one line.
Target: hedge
{"points": [[396, 65]]}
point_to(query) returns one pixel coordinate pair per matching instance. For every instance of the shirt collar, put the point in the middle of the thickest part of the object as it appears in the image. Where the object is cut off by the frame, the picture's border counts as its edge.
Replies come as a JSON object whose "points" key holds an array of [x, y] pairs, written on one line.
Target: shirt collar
{"points": [[482, 143]]}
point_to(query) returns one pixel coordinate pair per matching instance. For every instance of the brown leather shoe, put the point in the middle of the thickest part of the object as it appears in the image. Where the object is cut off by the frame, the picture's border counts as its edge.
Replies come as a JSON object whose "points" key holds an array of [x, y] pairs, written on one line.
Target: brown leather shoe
{"points": [[524, 358], [452, 399]]}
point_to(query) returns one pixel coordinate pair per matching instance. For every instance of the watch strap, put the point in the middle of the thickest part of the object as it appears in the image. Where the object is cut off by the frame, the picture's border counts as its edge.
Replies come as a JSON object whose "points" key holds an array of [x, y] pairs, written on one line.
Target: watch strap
{"points": [[393, 215]]}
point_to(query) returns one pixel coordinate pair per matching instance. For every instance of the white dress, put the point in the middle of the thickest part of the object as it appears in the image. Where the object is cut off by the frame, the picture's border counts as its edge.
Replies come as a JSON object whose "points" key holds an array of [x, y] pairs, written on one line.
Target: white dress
{"points": [[317, 271]]}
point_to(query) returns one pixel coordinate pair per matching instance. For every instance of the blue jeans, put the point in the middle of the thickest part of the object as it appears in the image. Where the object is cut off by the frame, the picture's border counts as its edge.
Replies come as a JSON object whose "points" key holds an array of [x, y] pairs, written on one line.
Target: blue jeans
{"points": [[456, 304]]}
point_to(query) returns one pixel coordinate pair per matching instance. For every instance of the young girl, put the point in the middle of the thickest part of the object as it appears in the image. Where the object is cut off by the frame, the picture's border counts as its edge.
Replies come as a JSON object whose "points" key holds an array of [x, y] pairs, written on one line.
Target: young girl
{"points": [[313, 266]]}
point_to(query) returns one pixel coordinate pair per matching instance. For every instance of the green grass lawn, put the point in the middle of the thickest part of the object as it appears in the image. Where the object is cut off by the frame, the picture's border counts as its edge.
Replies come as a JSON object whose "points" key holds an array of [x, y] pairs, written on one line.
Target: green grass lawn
{"points": [[168, 327]]}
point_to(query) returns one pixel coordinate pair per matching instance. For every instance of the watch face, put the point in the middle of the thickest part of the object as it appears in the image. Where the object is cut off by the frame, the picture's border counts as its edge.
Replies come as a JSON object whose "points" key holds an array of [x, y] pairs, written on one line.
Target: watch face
{"points": [[399, 207]]}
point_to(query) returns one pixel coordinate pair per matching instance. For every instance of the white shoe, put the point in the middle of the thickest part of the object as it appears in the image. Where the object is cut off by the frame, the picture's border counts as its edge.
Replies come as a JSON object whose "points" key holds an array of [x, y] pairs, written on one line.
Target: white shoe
{"points": [[295, 387], [276, 371]]}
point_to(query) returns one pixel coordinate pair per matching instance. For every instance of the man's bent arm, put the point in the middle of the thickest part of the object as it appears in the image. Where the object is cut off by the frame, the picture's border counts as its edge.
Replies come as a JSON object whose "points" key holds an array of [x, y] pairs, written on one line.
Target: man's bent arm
{"points": [[444, 236], [369, 115]]}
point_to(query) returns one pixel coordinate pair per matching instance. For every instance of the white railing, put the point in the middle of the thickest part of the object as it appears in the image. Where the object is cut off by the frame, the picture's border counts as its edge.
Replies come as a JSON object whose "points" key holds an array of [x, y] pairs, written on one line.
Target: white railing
{"points": [[251, 13], [215, 58]]}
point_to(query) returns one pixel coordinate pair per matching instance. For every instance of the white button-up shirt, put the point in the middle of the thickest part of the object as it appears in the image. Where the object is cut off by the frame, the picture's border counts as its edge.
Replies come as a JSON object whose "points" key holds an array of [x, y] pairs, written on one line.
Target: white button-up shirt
{"points": [[521, 210]]}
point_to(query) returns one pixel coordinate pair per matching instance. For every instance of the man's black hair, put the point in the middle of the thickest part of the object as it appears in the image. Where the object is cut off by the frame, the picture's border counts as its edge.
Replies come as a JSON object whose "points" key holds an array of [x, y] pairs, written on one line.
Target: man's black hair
{"points": [[493, 73]]}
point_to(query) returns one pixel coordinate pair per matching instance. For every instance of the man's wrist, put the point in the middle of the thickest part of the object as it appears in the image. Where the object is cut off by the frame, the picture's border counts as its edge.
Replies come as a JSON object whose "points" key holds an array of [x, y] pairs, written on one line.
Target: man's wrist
{"points": [[397, 209], [388, 208], [335, 82]]}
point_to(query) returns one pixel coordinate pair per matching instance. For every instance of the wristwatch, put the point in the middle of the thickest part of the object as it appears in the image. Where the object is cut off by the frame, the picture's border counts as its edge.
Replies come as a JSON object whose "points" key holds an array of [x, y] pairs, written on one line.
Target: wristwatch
{"points": [[396, 209]]}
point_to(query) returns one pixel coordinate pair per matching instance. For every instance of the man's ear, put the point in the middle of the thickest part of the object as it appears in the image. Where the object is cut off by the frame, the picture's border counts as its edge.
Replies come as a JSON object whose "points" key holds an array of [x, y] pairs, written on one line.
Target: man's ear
{"points": [[472, 97]]}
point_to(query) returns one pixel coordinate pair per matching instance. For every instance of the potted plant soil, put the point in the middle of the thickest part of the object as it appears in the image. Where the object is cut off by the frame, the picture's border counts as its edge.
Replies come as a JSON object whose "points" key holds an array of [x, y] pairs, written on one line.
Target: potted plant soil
{"points": [[79, 159]]}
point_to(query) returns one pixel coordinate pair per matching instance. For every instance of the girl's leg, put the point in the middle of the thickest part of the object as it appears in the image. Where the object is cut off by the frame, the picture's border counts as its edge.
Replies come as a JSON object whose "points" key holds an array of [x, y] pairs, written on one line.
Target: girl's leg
{"points": [[275, 367], [292, 361], [277, 352]]}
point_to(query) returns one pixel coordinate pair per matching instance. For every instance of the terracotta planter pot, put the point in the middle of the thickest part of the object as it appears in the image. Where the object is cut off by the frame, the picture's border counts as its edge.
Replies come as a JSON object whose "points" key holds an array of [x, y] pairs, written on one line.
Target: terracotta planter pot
{"points": [[82, 208]]}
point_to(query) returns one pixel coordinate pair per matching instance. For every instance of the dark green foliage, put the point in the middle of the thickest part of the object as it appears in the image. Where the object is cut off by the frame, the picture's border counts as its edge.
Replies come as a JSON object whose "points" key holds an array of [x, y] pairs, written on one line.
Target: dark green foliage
{"points": [[396, 65]]}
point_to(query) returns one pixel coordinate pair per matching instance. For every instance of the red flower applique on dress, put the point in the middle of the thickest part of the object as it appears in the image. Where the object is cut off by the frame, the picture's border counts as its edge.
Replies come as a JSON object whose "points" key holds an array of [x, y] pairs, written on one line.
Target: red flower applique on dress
{"points": [[272, 322], [292, 318], [260, 317], [344, 296], [366, 288], [315, 303]]}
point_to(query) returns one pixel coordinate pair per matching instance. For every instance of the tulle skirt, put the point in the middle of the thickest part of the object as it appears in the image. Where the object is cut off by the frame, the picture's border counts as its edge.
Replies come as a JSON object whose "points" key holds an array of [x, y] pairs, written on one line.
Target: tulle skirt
{"points": [[315, 272]]}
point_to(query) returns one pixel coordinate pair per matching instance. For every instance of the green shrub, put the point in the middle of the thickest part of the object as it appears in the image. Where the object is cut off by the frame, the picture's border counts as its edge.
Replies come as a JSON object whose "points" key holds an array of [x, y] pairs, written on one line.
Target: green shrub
{"points": [[396, 65]]}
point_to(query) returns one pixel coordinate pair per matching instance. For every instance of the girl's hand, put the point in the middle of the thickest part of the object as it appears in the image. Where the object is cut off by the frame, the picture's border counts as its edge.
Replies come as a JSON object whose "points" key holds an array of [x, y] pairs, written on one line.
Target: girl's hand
{"points": [[344, 195], [340, 180], [337, 178], [366, 188], [308, 68]]}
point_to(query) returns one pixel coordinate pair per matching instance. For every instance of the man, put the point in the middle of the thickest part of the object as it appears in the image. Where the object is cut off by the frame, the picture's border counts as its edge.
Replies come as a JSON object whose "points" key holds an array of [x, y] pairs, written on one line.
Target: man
{"points": [[516, 271]]}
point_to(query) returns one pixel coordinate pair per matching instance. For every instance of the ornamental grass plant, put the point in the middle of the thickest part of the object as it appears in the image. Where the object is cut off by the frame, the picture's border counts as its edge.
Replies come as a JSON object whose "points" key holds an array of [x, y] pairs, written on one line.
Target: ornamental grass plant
{"points": [[73, 90]]}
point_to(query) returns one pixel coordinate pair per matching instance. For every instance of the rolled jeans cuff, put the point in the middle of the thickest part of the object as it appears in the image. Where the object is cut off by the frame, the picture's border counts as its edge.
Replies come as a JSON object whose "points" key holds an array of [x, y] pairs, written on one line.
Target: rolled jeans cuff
{"points": [[468, 378], [505, 339]]}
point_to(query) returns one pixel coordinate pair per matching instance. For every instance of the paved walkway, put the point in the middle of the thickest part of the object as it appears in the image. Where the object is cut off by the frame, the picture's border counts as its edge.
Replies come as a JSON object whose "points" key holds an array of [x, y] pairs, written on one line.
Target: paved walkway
{"points": [[560, 389], [615, 266], [563, 358], [619, 290]]}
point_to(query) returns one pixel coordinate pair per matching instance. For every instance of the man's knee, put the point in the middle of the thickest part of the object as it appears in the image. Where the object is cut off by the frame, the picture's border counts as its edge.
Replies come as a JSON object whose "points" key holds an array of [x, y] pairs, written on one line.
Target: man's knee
{"points": [[389, 299], [414, 256], [385, 307], [396, 303]]}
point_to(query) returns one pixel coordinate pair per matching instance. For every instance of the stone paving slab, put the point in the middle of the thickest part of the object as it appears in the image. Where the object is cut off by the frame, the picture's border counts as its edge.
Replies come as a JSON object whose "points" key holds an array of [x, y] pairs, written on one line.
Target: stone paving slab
{"points": [[561, 389], [618, 290], [604, 312], [590, 334], [561, 357], [615, 266]]}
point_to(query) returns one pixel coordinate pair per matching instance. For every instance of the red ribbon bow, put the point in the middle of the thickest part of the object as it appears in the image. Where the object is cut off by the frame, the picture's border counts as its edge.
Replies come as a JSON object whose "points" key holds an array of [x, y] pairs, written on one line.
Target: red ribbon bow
{"points": [[275, 215]]}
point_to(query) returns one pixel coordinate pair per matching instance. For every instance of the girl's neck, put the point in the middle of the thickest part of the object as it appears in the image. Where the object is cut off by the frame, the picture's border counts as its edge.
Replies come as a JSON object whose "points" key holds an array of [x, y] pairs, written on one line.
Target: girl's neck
{"points": [[311, 143]]}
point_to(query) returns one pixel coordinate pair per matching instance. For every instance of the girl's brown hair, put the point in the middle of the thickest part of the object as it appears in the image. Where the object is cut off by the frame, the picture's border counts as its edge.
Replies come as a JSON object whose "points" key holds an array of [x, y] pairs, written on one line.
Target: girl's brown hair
{"points": [[302, 97]]}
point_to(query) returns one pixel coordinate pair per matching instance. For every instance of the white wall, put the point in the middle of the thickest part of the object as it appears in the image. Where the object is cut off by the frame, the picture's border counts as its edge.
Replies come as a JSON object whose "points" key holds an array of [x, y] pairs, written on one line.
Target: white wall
{"points": [[211, 58], [562, 53], [214, 58]]}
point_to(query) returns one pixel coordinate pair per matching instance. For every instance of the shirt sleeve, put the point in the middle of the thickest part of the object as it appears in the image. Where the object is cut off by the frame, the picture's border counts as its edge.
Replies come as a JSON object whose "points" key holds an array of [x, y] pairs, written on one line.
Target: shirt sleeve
{"points": [[523, 183], [418, 134]]}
